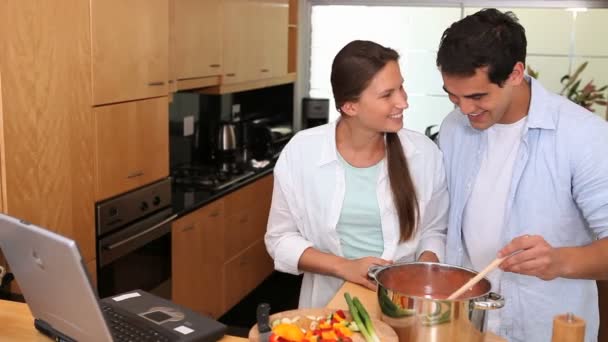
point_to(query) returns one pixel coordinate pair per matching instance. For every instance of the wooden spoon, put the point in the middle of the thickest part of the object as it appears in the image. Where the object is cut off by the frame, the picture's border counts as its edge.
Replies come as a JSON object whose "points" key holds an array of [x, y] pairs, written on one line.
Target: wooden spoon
{"points": [[476, 278]]}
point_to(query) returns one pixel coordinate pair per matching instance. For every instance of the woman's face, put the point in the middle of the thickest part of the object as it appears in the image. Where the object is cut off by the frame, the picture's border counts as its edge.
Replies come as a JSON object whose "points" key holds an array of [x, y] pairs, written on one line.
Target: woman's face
{"points": [[380, 106]]}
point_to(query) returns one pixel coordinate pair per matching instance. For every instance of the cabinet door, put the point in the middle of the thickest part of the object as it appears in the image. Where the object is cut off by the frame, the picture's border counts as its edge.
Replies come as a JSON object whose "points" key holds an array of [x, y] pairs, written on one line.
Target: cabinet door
{"points": [[238, 51], [247, 215], [197, 260], [273, 38], [245, 272], [132, 145], [198, 38], [130, 41]]}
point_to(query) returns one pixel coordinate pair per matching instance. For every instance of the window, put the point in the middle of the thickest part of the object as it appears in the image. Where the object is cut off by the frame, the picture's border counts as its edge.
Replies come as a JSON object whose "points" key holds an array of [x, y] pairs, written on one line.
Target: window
{"points": [[559, 40]]}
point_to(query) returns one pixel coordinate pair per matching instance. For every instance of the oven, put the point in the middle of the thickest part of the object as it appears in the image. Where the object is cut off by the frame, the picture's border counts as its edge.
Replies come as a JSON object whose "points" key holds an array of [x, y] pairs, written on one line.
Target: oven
{"points": [[133, 238]]}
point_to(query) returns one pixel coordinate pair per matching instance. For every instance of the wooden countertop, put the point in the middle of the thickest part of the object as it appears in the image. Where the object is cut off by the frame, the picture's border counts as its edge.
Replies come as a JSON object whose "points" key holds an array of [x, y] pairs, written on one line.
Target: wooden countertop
{"points": [[368, 299], [17, 322]]}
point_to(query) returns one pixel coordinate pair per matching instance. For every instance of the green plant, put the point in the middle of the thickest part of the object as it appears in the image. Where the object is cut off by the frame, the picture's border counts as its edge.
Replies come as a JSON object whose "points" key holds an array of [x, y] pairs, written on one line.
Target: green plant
{"points": [[585, 96]]}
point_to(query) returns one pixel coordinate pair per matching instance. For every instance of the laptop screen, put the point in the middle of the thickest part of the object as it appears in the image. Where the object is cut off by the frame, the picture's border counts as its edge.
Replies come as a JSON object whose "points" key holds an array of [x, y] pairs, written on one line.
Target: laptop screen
{"points": [[54, 281]]}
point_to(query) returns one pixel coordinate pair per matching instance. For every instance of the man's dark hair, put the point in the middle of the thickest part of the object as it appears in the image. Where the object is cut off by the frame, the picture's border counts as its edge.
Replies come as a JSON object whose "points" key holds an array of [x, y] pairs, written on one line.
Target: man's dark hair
{"points": [[487, 38]]}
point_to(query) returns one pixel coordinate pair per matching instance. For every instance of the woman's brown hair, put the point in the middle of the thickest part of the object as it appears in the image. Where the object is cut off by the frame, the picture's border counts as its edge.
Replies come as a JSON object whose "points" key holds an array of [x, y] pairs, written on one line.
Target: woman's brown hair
{"points": [[352, 70]]}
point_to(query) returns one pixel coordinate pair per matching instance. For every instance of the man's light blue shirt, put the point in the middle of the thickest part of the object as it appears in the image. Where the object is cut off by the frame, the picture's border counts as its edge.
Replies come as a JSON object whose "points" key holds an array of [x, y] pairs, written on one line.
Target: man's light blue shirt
{"points": [[559, 190]]}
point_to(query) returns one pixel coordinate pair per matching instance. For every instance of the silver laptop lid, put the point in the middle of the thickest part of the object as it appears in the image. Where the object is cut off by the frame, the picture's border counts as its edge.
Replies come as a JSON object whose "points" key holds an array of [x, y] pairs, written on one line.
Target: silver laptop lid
{"points": [[54, 281]]}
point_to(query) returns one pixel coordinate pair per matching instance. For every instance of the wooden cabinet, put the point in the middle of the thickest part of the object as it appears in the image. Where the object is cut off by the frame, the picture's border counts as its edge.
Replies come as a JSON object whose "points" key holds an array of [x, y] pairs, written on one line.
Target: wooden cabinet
{"points": [[46, 126], [255, 39], [197, 260], [244, 272], [274, 15], [197, 39], [219, 254], [131, 145], [246, 215], [129, 41]]}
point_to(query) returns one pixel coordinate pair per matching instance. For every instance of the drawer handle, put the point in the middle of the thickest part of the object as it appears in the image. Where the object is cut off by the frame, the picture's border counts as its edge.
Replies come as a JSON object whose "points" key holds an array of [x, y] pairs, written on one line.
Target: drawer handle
{"points": [[135, 174], [244, 219], [215, 214], [214, 65], [170, 81], [190, 227], [230, 74], [264, 70], [160, 83]]}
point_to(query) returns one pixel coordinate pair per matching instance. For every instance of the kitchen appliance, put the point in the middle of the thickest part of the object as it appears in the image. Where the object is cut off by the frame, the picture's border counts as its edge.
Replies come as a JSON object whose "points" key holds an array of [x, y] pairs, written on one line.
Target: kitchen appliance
{"points": [[269, 136], [315, 112], [204, 178], [412, 299], [133, 239], [228, 147]]}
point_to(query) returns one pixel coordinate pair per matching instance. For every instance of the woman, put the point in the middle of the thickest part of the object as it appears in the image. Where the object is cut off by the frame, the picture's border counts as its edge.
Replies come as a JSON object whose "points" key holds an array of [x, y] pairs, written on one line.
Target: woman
{"points": [[361, 191]]}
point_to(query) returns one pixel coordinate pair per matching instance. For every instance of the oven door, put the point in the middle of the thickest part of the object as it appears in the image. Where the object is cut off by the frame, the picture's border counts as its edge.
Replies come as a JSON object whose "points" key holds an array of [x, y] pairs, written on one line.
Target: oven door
{"points": [[137, 257]]}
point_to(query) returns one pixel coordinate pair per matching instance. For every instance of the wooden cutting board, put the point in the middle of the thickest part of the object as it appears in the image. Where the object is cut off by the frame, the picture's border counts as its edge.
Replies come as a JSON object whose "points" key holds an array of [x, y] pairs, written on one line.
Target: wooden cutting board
{"points": [[383, 330]]}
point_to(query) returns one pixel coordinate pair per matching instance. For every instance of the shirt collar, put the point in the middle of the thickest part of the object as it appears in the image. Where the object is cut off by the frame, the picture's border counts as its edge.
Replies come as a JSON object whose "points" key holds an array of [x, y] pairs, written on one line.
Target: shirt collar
{"points": [[329, 151], [540, 113]]}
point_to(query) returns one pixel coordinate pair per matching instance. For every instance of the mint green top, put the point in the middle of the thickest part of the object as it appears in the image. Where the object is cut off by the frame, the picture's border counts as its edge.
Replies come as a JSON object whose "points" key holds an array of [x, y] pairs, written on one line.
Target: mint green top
{"points": [[359, 226]]}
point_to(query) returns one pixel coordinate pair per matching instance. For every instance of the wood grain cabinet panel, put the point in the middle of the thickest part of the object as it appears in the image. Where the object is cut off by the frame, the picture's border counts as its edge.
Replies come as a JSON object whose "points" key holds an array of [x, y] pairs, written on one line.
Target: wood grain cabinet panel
{"points": [[245, 272], [247, 215], [132, 145], [130, 43], [274, 27], [47, 158], [216, 264], [237, 25], [197, 260], [198, 38]]}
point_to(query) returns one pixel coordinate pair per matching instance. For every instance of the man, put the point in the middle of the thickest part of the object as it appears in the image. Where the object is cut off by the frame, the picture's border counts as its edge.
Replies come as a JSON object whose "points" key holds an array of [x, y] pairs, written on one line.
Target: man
{"points": [[527, 173]]}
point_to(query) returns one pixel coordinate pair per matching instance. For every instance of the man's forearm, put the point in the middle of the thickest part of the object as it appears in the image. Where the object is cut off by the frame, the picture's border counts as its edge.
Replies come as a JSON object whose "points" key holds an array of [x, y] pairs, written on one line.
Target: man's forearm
{"points": [[586, 262]]}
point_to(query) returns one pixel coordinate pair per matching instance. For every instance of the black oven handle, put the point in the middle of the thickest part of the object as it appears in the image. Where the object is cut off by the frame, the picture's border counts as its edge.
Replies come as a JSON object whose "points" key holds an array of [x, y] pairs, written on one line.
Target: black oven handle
{"points": [[144, 232]]}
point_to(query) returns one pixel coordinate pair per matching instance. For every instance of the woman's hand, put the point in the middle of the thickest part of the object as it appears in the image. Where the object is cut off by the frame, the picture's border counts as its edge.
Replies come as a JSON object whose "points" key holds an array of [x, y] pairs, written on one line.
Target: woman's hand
{"points": [[356, 270]]}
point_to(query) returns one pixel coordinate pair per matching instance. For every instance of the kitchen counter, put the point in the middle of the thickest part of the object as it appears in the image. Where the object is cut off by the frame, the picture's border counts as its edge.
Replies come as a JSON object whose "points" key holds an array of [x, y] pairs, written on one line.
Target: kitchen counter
{"points": [[17, 323], [185, 200]]}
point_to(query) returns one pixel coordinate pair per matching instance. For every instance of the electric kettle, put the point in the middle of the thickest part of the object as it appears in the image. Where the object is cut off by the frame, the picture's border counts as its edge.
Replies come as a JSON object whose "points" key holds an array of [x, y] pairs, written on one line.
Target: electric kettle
{"points": [[226, 139]]}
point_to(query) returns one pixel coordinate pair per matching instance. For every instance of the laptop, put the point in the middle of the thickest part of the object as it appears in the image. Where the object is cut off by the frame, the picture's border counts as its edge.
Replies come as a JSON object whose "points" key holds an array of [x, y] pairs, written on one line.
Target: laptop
{"points": [[55, 284]]}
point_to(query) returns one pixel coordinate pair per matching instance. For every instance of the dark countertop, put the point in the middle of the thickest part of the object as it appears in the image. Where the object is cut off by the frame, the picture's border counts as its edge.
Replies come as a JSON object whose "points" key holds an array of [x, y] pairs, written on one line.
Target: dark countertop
{"points": [[186, 200]]}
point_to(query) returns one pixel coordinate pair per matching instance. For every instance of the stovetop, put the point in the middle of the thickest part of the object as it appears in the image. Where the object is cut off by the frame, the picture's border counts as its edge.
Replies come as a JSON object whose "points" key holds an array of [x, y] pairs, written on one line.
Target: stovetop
{"points": [[206, 177]]}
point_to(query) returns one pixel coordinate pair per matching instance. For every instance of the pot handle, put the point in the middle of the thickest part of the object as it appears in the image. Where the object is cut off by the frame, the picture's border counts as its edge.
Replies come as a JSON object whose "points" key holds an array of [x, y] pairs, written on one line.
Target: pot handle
{"points": [[494, 301], [373, 270]]}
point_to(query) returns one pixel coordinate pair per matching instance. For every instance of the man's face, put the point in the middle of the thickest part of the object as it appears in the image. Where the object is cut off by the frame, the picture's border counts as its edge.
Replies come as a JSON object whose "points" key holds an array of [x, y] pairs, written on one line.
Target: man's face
{"points": [[483, 102]]}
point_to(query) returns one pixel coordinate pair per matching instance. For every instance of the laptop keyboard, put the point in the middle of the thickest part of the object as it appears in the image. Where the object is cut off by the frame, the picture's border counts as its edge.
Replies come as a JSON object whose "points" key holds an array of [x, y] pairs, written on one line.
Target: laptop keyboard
{"points": [[123, 330]]}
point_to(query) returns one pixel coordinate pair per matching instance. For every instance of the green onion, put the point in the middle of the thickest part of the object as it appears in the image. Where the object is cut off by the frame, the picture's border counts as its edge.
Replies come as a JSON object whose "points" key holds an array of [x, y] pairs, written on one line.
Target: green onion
{"points": [[361, 317], [366, 319], [355, 314]]}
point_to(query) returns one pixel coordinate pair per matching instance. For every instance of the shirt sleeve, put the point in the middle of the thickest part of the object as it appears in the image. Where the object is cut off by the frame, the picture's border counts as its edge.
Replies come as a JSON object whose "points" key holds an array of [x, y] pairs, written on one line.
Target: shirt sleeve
{"points": [[283, 238], [590, 175], [433, 226]]}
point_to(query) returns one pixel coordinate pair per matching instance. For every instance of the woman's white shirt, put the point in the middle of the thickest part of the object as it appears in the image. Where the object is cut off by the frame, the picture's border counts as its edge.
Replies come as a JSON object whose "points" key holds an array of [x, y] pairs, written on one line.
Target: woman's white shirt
{"points": [[309, 187]]}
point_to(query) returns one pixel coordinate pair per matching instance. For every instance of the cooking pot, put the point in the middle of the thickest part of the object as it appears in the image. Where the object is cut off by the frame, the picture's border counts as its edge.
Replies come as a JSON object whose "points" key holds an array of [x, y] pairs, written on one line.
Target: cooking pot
{"points": [[412, 298]]}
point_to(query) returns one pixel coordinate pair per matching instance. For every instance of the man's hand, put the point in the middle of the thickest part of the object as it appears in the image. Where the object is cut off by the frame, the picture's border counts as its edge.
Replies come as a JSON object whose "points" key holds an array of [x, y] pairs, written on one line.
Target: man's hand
{"points": [[533, 256], [356, 270]]}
